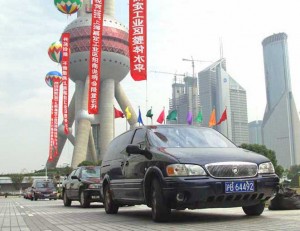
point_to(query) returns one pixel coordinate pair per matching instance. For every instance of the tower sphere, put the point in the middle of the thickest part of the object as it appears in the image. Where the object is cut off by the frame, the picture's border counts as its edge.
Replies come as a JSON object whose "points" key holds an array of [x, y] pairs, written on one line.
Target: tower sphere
{"points": [[115, 51]]}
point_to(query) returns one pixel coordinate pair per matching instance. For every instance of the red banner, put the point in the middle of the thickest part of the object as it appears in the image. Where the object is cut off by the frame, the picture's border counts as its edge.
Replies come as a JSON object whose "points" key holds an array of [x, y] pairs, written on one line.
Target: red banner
{"points": [[138, 39], [50, 158], [95, 56], [65, 40], [56, 83]]}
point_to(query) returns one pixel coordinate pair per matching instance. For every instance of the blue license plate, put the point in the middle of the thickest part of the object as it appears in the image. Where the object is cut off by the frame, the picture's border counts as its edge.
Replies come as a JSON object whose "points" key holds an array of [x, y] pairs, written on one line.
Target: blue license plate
{"points": [[239, 186]]}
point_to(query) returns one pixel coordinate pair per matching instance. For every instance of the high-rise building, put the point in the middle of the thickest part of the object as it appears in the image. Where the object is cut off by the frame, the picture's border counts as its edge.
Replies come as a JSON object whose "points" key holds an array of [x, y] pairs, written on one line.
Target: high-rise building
{"points": [[280, 127], [255, 132], [219, 91], [185, 99]]}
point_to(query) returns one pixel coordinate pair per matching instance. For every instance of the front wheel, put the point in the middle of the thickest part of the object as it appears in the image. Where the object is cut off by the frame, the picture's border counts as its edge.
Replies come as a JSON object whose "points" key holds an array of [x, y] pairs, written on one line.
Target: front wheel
{"points": [[110, 206], [83, 200], [254, 210], [160, 210], [67, 201]]}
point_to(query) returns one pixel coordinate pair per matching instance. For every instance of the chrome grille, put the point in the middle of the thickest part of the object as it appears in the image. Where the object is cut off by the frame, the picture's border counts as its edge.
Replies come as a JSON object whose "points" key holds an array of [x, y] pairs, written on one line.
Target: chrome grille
{"points": [[232, 169]]}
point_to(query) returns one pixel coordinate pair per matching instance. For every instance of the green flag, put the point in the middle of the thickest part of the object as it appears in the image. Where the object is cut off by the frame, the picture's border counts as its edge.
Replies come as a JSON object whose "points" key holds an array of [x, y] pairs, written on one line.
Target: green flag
{"points": [[199, 117], [172, 115], [149, 113]]}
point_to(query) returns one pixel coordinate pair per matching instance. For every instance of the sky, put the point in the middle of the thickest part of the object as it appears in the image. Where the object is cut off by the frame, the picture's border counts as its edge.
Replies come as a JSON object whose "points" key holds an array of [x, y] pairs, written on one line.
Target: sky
{"points": [[189, 29]]}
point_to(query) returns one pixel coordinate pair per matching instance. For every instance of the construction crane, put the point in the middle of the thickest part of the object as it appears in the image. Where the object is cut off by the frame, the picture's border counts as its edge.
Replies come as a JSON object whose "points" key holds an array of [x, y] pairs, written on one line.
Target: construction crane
{"points": [[193, 63]]}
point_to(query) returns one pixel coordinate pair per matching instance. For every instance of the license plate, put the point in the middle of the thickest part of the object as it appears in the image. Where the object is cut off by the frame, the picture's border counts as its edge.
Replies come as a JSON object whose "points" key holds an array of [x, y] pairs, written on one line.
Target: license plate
{"points": [[95, 197], [239, 186]]}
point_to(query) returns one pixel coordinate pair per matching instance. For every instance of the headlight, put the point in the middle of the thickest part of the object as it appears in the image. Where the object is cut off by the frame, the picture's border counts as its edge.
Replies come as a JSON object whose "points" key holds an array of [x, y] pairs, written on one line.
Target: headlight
{"points": [[94, 186], [185, 170], [266, 168]]}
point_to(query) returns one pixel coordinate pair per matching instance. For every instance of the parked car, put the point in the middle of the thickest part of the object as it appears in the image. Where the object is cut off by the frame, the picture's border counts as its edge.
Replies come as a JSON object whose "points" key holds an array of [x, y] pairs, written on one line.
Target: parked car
{"points": [[82, 185], [27, 193], [43, 189], [182, 166]]}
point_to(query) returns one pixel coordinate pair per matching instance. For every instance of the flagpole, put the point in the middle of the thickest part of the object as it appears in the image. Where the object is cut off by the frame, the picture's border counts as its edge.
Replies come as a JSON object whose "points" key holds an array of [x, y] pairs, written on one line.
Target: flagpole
{"points": [[114, 121]]}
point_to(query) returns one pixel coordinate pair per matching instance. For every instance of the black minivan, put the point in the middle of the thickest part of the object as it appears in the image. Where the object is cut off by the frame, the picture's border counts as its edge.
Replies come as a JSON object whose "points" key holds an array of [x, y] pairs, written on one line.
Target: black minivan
{"points": [[182, 166]]}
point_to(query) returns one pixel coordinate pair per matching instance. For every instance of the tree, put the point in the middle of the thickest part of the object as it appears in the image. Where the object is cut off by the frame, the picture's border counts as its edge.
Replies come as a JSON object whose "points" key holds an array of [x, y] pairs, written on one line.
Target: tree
{"points": [[261, 149], [294, 175], [17, 180], [90, 163]]}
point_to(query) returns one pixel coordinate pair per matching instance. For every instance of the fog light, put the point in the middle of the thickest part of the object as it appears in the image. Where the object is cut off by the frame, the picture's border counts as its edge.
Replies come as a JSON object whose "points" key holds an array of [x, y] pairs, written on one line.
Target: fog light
{"points": [[180, 197]]}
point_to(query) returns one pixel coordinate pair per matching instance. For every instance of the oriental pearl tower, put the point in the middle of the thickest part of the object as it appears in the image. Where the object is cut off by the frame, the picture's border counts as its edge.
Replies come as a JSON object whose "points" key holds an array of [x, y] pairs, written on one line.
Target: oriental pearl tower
{"points": [[94, 132]]}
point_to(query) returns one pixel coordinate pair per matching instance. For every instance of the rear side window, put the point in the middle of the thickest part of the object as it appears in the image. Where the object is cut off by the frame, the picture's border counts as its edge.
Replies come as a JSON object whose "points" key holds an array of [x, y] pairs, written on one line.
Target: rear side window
{"points": [[117, 147]]}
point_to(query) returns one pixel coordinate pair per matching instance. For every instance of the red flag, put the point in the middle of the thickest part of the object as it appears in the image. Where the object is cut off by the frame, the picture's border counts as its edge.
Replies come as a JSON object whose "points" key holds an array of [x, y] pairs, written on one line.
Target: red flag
{"points": [[95, 56], [138, 39], [118, 114], [223, 117], [161, 117], [65, 77]]}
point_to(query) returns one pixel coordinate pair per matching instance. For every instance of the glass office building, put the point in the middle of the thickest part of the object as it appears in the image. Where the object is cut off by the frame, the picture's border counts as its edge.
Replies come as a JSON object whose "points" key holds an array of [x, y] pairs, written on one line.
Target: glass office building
{"points": [[280, 127]]}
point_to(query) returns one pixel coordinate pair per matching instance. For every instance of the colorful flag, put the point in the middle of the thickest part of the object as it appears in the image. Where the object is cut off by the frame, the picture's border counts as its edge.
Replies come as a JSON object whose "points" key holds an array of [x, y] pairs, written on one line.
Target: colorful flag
{"points": [[118, 114], [128, 113], [212, 120], [161, 117], [138, 39], [199, 117], [149, 113], [223, 117], [140, 120], [172, 115], [189, 118]]}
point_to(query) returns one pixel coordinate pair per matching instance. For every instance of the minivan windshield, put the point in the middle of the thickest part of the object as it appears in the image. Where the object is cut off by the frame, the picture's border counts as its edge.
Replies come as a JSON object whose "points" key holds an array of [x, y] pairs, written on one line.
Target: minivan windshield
{"points": [[187, 137]]}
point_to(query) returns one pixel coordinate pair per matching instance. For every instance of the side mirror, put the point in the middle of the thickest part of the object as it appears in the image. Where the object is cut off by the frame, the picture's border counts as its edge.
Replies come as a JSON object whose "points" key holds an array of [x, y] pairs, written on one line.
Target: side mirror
{"points": [[135, 149], [74, 177]]}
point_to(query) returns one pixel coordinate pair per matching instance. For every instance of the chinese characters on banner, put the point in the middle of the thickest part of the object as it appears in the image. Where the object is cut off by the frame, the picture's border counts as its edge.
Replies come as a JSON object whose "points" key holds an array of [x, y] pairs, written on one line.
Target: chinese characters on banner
{"points": [[50, 158], [56, 83], [65, 77], [138, 39], [95, 56]]}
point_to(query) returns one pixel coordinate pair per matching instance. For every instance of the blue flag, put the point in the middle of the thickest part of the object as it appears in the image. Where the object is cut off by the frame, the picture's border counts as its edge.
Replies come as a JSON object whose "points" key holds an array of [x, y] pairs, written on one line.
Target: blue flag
{"points": [[140, 121]]}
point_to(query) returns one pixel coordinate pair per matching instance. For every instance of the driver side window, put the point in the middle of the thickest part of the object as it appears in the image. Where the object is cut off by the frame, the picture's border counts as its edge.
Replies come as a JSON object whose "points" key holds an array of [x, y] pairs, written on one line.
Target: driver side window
{"points": [[140, 138]]}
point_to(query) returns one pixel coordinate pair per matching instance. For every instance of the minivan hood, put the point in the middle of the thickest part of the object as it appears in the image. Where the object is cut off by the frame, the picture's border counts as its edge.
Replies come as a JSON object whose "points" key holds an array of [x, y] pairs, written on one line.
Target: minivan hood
{"points": [[204, 156]]}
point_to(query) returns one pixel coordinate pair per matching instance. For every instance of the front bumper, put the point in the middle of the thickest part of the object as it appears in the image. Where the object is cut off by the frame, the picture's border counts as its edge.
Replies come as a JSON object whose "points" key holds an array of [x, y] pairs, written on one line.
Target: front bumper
{"points": [[46, 196], [208, 192], [93, 195]]}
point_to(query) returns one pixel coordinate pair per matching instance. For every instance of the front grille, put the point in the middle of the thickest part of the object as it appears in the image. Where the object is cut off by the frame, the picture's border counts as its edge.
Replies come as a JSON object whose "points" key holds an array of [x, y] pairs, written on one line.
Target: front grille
{"points": [[232, 169]]}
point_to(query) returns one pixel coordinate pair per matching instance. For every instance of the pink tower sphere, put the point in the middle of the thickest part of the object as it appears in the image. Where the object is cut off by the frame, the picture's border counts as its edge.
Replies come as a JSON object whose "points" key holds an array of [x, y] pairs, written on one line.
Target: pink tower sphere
{"points": [[115, 51]]}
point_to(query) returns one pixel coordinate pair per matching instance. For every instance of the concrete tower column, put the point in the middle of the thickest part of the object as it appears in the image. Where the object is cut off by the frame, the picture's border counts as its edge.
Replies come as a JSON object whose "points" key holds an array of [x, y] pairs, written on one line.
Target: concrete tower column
{"points": [[106, 113], [109, 7], [79, 88], [83, 130], [124, 102]]}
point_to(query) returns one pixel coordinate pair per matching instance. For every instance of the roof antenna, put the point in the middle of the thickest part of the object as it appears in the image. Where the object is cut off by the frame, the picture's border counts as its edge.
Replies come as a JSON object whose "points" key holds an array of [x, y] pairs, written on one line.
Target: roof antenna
{"points": [[221, 47]]}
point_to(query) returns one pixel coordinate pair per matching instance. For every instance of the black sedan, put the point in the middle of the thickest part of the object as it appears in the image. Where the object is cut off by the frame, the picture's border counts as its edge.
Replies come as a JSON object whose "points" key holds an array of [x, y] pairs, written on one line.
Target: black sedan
{"points": [[82, 185], [181, 166]]}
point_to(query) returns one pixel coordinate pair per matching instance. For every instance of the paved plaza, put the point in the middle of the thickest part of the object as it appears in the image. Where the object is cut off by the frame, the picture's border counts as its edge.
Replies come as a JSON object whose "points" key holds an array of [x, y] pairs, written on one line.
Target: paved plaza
{"points": [[20, 214]]}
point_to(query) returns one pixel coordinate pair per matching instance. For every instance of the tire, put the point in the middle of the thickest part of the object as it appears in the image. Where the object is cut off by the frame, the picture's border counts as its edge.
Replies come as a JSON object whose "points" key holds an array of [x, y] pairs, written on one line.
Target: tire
{"points": [[83, 200], [67, 201], [254, 210], [110, 206], [160, 210]]}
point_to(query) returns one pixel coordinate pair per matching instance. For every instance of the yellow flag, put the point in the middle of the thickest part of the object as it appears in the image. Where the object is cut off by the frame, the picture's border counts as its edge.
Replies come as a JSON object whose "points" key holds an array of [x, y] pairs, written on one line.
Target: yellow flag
{"points": [[212, 120], [128, 113]]}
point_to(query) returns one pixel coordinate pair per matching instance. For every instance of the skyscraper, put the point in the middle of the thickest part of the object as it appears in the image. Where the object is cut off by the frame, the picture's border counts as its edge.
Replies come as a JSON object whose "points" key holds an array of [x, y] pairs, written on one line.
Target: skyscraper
{"points": [[280, 127], [185, 98], [217, 89], [255, 132]]}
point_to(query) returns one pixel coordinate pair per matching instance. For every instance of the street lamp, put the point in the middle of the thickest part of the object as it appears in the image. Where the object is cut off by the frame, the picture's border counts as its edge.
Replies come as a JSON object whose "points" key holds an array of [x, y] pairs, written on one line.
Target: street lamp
{"points": [[46, 176]]}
